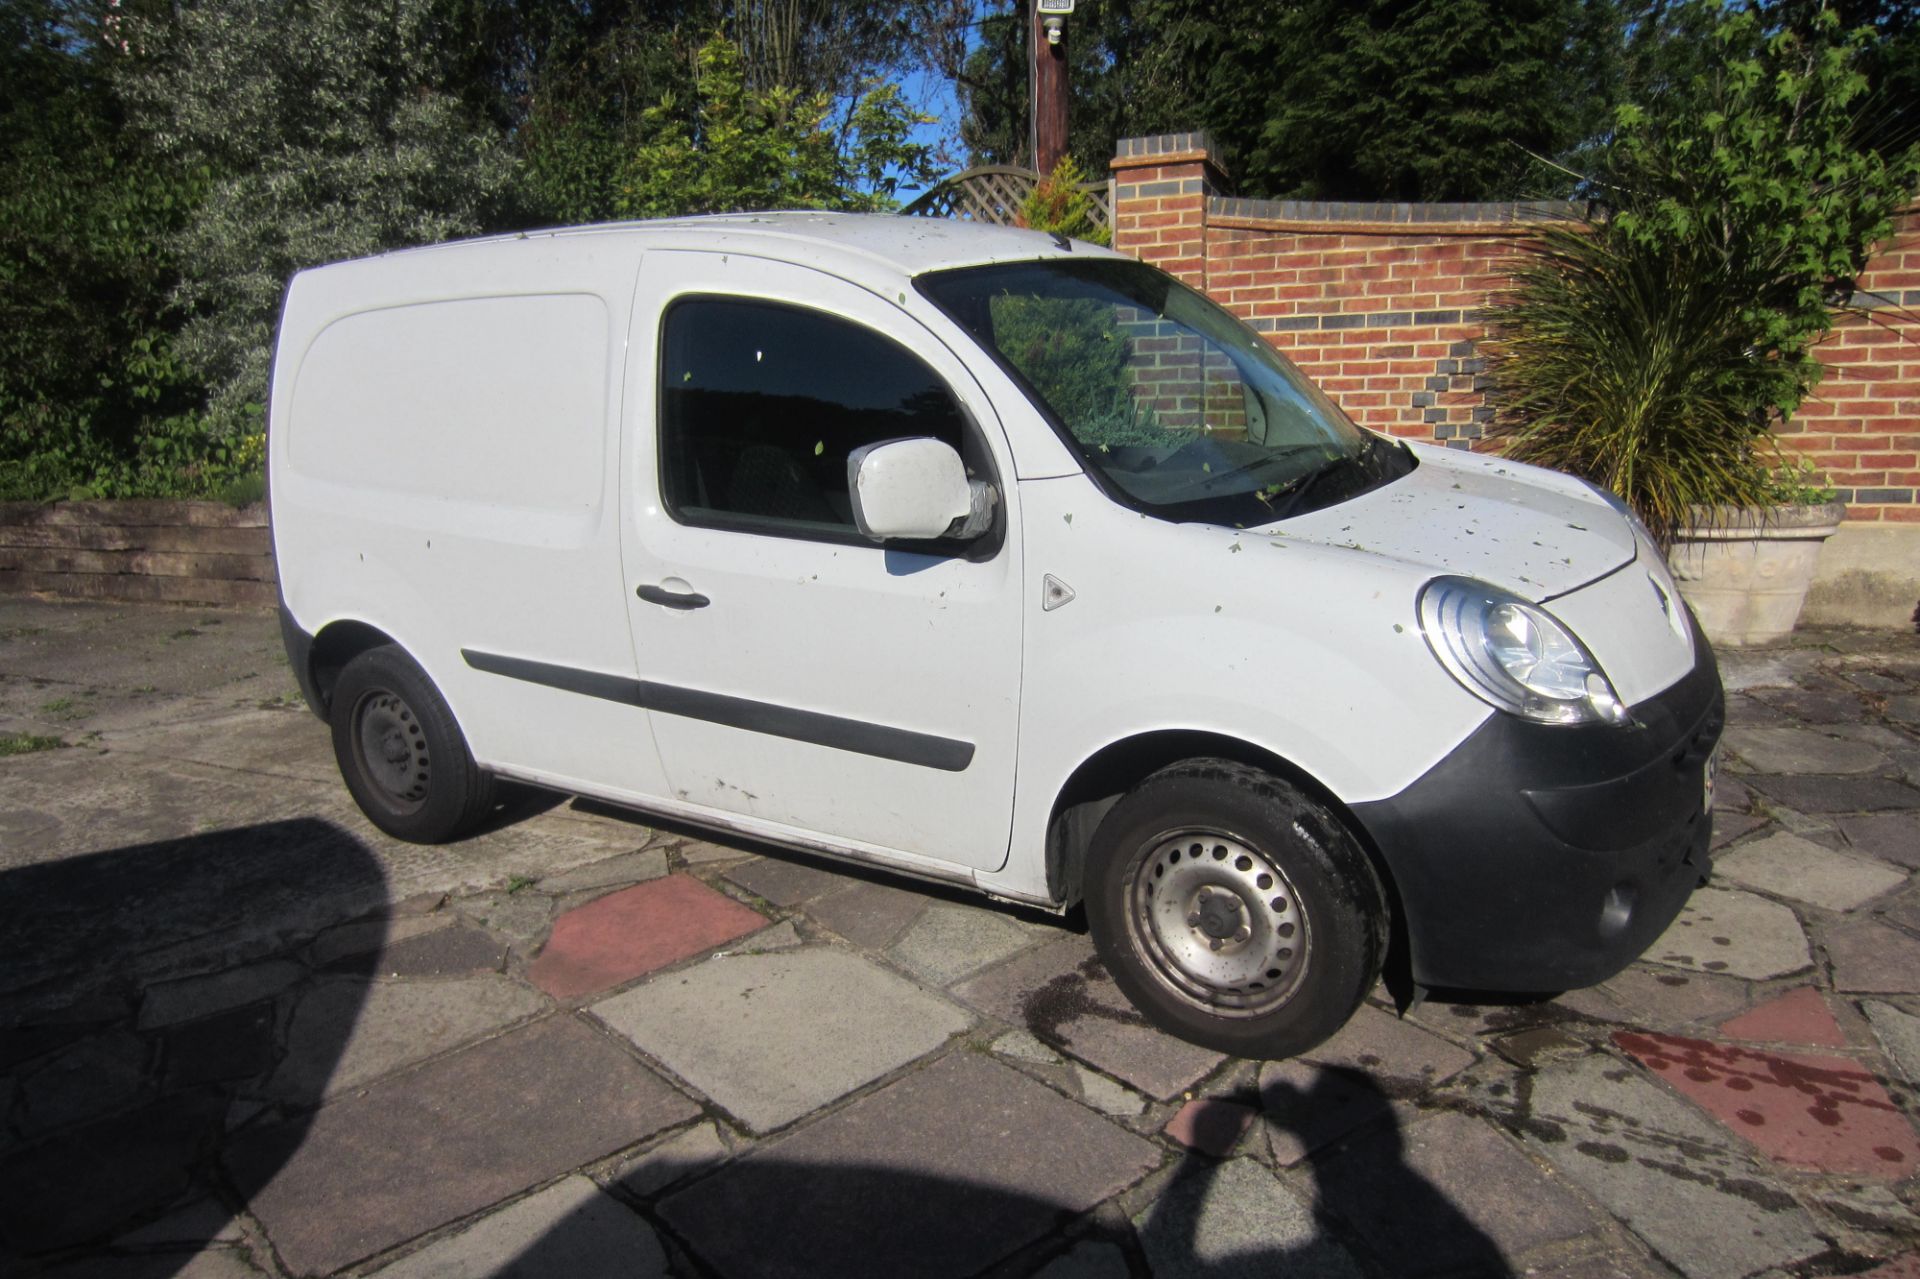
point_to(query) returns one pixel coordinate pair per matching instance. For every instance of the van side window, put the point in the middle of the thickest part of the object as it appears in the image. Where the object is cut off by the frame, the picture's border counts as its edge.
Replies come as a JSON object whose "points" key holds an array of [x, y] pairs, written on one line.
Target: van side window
{"points": [[761, 403]]}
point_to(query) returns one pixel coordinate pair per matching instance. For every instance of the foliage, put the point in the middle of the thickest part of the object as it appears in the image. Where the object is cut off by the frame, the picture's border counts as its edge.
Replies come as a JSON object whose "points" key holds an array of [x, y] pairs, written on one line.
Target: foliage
{"points": [[86, 362], [737, 147], [1060, 202], [1760, 160], [26, 744], [1325, 99], [326, 133], [1651, 352], [1623, 365]]}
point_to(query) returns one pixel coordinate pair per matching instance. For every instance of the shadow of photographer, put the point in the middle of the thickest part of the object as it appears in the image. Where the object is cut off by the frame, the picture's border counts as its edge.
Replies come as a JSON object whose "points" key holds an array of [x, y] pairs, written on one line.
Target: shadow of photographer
{"points": [[142, 994]]}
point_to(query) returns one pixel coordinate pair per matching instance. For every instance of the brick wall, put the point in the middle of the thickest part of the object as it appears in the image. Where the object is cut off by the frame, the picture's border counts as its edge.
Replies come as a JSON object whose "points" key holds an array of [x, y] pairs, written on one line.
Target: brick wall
{"points": [[1862, 426], [1380, 304]]}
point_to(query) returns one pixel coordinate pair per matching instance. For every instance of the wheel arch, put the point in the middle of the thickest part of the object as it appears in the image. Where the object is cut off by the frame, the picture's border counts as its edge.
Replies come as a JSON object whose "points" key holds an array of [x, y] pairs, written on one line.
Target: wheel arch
{"points": [[1110, 772], [337, 644]]}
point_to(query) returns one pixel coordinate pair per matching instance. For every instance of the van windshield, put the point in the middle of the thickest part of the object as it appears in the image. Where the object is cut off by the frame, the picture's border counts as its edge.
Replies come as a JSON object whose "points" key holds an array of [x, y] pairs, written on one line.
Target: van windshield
{"points": [[1177, 408]]}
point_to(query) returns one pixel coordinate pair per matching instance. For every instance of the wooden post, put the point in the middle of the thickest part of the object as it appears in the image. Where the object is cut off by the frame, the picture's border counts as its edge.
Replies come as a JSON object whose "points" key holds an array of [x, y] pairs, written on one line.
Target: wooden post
{"points": [[1047, 93]]}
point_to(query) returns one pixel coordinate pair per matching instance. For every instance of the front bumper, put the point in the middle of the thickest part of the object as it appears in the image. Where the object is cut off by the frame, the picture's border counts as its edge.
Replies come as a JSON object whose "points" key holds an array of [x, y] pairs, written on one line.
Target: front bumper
{"points": [[1538, 858]]}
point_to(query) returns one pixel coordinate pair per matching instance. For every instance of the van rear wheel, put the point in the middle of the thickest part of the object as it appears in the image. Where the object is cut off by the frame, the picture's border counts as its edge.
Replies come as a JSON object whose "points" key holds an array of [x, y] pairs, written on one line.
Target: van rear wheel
{"points": [[1234, 910], [401, 752]]}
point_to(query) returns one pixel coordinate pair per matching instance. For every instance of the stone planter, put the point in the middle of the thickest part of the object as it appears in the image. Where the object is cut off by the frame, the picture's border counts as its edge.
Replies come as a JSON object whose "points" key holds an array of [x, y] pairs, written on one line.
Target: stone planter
{"points": [[1746, 570]]}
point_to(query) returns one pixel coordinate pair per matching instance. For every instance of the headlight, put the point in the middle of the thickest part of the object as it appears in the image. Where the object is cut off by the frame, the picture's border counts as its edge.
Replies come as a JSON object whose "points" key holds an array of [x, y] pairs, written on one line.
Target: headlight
{"points": [[1515, 655]]}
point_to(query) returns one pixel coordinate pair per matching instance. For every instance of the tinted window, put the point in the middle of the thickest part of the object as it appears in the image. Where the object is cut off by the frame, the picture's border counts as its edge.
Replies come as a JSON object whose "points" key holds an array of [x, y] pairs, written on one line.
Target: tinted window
{"points": [[761, 403], [1181, 410]]}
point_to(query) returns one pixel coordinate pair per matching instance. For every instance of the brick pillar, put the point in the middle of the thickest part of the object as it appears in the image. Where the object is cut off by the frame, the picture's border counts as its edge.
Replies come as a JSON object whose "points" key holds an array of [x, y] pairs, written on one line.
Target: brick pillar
{"points": [[1160, 190]]}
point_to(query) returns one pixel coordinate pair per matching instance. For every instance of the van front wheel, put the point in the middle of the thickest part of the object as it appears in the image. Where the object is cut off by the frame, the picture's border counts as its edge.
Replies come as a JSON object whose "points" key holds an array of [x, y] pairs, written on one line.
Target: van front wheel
{"points": [[401, 752], [1234, 910]]}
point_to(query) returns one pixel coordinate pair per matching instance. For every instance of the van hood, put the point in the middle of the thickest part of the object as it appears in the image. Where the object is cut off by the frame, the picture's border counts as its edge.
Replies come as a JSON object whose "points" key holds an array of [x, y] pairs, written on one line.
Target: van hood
{"points": [[1531, 531]]}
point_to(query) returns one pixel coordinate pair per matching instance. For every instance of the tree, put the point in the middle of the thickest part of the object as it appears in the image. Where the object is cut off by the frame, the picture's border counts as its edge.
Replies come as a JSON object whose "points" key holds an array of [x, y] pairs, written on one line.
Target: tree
{"points": [[744, 148], [87, 373], [1384, 99], [328, 131], [1654, 350]]}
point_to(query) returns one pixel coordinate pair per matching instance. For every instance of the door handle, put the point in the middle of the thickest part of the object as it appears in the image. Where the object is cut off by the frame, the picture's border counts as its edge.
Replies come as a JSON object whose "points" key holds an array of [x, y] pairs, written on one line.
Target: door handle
{"points": [[672, 599]]}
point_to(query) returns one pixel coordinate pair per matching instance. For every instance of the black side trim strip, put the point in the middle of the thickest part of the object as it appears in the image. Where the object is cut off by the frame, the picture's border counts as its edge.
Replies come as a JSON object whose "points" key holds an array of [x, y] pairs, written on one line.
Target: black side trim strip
{"points": [[908, 747]]}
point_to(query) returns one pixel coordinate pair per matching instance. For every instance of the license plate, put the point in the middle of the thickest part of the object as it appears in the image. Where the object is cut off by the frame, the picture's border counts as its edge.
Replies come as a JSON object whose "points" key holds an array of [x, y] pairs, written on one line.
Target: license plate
{"points": [[1706, 780]]}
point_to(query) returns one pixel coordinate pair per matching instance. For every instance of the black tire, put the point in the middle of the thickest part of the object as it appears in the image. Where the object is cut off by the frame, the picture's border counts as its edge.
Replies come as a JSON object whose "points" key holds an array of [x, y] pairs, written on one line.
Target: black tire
{"points": [[1234, 910], [401, 752]]}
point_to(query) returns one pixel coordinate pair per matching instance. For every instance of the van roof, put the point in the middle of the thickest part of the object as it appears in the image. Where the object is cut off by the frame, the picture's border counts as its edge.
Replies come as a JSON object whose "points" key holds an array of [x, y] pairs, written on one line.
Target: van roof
{"points": [[908, 245]]}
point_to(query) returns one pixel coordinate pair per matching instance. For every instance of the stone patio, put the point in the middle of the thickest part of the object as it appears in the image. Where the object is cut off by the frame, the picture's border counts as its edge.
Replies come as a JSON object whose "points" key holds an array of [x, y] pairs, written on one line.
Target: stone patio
{"points": [[243, 1034]]}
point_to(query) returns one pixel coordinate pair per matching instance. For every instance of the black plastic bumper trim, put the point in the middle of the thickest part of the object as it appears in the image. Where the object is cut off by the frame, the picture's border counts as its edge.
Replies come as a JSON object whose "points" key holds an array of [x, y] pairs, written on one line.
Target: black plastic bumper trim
{"points": [[1537, 858], [862, 738]]}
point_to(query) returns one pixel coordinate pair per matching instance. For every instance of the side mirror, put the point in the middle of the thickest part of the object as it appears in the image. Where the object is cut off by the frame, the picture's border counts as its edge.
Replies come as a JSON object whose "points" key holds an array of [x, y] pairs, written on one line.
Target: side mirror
{"points": [[916, 489]]}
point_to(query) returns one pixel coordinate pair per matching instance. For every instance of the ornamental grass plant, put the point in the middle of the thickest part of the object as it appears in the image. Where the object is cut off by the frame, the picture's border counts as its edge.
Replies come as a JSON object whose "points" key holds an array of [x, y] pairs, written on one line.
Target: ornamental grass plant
{"points": [[1656, 347]]}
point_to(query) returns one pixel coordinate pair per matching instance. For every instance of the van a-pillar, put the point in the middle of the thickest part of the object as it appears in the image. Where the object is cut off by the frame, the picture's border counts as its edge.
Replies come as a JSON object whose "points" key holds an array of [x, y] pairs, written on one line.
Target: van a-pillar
{"points": [[1047, 91]]}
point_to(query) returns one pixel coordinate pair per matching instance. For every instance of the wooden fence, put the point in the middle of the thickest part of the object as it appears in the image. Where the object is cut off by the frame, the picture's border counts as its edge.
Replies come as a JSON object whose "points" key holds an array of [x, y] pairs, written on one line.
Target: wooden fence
{"points": [[183, 552]]}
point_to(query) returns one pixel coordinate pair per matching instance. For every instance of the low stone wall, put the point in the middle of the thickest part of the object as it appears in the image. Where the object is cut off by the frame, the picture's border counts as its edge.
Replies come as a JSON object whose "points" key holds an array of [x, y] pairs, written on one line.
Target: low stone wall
{"points": [[182, 552]]}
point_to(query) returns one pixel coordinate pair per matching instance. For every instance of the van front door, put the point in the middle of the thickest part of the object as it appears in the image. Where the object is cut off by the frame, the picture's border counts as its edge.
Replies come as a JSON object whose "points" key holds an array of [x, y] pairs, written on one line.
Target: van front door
{"points": [[798, 674]]}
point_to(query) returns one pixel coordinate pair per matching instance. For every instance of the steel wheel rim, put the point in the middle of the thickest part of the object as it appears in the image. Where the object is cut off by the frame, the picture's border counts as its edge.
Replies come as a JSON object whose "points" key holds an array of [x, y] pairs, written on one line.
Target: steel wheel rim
{"points": [[392, 748], [1218, 922]]}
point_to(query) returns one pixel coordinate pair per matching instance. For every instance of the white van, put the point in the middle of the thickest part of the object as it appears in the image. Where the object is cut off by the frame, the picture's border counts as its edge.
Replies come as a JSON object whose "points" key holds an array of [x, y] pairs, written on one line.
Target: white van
{"points": [[997, 559]]}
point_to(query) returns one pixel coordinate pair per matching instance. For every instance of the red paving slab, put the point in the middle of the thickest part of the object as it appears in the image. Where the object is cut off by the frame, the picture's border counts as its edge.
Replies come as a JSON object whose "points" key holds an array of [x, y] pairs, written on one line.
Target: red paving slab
{"points": [[1797, 1017], [1822, 1113], [1209, 1126], [631, 933]]}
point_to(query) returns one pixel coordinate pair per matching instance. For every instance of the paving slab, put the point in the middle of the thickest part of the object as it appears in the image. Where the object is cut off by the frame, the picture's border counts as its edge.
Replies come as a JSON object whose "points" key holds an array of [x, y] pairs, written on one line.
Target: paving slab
{"points": [[1672, 1175], [672, 1161], [782, 936], [1730, 827], [235, 1045], [208, 1263], [1666, 999], [1088, 1259], [441, 952], [1824, 1114], [773, 1037], [1800, 1016], [1106, 1096], [1836, 794], [1019, 1045], [870, 915], [1892, 837], [633, 867], [345, 1033], [1403, 1059], [1899, 1033], [1871, 958], [362, 937], [1210, 1125], [949, 942], [637, 931], [570, 1228], [1060, 992], [1447, 1195], [1801, 750], [1529, 1049], [783, 882], [941, 1173], [1785, 865], [699, 852], [1236, 1221], [431, 1146], [1309, 1106], [1738, 933], [97, 1075], [170, 1003], [89, 1182], [203, 1221]]}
